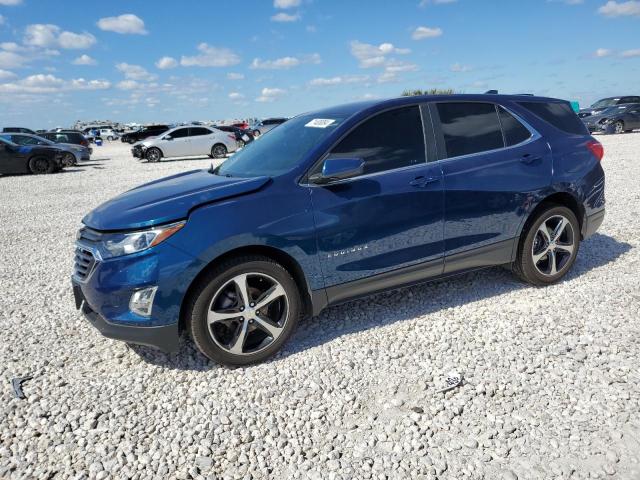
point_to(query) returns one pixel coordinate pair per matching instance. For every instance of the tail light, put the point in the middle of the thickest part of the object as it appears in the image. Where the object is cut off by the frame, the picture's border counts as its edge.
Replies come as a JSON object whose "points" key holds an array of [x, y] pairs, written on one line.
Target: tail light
{"points": [[84, 143], [596, 148]]}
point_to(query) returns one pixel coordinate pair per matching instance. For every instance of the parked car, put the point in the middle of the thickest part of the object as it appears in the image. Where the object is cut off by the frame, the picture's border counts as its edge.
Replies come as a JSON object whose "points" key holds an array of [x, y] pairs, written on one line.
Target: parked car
{"points": [[17, 130], [337, 204], [243, 136], [186, 141], [67, 136], [598, 107], [267, 125], [241, 125], [146, 132], [108, 134], [35, 159], [72, 153], [618, 119]]}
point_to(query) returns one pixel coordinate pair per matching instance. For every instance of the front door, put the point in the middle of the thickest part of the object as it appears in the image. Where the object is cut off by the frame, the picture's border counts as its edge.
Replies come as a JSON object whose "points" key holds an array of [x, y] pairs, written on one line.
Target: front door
{"points": [[10, 160], [179, 145], [493, 167], [389, 217]]}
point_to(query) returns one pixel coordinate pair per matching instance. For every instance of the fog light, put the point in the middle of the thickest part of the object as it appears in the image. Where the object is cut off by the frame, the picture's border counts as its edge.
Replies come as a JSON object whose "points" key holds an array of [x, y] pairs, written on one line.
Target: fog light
{"points": [[142, 301]]}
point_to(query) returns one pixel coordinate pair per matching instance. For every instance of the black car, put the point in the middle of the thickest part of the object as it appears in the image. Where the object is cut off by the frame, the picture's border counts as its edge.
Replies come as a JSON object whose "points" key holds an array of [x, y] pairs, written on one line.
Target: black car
{"points": [[602, 104], [66, 136], [618, 119], [29, 158], [17, 130], [243, 136], [146, 132]]}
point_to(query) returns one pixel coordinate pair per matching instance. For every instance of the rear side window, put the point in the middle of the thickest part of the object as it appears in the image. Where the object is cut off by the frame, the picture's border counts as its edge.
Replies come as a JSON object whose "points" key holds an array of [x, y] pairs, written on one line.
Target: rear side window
{"points": [[197, 131], [61, 138], [387, 141], [514, 131], [469, 127], [560, 115]]}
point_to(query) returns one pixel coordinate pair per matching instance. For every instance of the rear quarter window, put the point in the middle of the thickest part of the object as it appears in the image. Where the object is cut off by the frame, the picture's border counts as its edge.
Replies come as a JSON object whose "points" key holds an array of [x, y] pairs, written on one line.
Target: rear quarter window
{"points": [[558, 114]]}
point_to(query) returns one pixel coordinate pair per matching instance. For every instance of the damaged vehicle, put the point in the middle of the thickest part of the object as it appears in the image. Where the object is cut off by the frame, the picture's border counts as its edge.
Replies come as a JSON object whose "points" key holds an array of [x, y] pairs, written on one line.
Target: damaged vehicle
{"points": [[36, 159], [617, 119]]}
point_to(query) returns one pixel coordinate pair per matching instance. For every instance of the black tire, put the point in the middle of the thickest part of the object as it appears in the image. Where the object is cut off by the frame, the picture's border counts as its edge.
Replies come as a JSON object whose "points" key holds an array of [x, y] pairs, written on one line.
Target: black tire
{"points": [[110, 138], [530, 271], [131, 141], [618, 127], [218, 151], [153, 155], [41, 165], [256, 133], [69, 159], [199, 303]]}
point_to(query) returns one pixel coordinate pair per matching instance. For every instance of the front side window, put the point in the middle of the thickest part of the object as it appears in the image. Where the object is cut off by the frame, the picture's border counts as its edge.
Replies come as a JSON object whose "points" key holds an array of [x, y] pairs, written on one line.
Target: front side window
{"points": [[180, 133], [390, 140], [469, 127], [514, 131]]}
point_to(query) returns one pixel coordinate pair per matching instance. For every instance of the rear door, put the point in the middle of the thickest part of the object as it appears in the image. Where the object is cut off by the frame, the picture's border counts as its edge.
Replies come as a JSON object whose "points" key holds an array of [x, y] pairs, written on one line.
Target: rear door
{"points": [[392, 215], [632, 120], [493, 166], [201, 141]]}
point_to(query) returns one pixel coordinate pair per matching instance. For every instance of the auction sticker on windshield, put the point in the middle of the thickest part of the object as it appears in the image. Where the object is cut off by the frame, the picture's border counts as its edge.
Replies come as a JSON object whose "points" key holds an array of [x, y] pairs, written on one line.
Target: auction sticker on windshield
{"points": [[320, 123]]}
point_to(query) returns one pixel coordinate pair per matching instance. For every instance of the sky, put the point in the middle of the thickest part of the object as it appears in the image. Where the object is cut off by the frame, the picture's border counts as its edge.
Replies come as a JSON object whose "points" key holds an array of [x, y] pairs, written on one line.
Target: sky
{"points": [[161, 61]]}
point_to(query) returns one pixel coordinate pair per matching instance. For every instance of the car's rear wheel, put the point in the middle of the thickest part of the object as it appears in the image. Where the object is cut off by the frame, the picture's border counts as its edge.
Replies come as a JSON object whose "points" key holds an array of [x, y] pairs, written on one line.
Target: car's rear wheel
{"points": [[69, 159], [243, 311], [619, 127], [131, 141], [218, 151], [241, 143], [153, 155], [111, 138], [549, 246], [256, 133], [41, 165]]}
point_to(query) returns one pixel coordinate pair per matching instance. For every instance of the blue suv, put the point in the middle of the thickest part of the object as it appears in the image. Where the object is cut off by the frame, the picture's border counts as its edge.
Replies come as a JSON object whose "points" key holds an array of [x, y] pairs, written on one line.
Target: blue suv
{"points": [[336, 204]]}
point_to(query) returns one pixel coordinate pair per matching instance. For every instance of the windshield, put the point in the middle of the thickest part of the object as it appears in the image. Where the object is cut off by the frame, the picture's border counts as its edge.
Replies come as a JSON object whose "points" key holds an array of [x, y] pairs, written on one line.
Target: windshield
{"points": [[605, 102], [280, 150], [6, 141]]}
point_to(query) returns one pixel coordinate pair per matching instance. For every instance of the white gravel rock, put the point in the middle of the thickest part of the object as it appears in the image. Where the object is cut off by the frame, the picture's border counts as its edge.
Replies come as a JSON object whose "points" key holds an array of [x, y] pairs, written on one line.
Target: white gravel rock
{"points": [[551, 386]]}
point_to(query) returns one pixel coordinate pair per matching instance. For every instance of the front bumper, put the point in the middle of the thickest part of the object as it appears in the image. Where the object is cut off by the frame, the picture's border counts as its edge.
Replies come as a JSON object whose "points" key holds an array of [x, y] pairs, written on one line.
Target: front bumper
{"points": [[165, 338], [138, 151]]}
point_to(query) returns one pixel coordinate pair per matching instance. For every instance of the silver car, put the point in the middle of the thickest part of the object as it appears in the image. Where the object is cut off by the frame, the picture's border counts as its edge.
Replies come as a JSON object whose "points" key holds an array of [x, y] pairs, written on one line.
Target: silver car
{"points": [[266, 125], [186, 141], [72, 153]]}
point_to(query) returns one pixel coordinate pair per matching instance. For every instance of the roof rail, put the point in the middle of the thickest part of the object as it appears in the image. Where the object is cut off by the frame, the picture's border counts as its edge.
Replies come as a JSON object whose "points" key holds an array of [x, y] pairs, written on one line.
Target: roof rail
{"points": [[491, 92]]}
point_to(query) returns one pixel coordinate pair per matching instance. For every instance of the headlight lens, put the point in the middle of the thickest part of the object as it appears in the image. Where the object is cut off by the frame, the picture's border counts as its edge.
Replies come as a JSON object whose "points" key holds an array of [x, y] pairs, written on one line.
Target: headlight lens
{"points": [[119, 244]]}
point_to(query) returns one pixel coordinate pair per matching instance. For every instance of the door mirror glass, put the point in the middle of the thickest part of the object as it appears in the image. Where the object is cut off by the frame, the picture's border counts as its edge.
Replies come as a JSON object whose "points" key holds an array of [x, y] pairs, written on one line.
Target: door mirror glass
{"points": [[167, 137], [335, 169]]}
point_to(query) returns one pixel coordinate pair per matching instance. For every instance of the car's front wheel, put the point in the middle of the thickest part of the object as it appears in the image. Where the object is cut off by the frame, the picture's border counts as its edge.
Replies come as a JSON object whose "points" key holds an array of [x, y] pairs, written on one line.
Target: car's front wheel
{"points": [[243, 311], [154, 155], [548, 247], [219, 151], [41, 165]]}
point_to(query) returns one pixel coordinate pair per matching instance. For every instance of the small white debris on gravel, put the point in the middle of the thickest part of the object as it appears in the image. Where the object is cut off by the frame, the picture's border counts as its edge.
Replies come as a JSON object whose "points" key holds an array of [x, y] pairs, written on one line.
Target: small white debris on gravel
{"points": [[551, 386]]}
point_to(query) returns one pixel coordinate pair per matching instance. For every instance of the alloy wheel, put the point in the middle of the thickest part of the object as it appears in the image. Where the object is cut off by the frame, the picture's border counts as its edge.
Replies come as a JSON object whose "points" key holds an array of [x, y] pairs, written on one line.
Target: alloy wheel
{"points": [[219, 151], [619, 127], [553, 245], [248, 313], [153, 155], [40, 165]]}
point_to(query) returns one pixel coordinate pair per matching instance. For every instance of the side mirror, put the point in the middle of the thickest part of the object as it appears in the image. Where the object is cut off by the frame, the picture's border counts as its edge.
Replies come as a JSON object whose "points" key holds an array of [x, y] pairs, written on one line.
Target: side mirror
{"points": [[335, 169], [167, 137]]}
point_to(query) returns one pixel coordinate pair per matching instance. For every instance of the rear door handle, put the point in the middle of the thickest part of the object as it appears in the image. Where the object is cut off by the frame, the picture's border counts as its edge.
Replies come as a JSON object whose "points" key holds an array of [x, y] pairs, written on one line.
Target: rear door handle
{"points": [[528, 159], [422, 181]]}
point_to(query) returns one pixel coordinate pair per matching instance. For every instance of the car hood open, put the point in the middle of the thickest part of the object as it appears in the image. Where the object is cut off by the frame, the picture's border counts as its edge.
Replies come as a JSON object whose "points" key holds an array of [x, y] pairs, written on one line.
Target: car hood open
{"points": [[167, 200]]}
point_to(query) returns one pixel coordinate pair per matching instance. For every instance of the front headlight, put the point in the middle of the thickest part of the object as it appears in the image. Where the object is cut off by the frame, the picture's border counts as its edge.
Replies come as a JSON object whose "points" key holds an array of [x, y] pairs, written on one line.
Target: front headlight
{"points": [[119, 244]]}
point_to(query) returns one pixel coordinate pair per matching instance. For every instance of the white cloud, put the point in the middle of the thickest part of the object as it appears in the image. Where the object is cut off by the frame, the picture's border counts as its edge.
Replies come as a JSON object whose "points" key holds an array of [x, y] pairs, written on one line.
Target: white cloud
{"points": [[602, 52], [2, 20], [396, 66], [622, 9], [10, 3], [135, 72], [424, 3], [279, 63], [166, 62], [11, 60], [426, 32], [48, 35], [459, 68], [129, 85], [235, 76], [286, 3], [270, 94], [211, 57], [84, 60], [339, 80], [374, 56], [285, 17], [47, 83], [631, 53], [6, 74], [127, 23], [236, 96]]}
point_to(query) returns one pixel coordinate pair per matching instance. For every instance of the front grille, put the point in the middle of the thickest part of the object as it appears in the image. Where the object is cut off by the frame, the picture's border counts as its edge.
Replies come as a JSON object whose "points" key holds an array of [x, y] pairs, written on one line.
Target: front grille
{"points": [[84, 263]]}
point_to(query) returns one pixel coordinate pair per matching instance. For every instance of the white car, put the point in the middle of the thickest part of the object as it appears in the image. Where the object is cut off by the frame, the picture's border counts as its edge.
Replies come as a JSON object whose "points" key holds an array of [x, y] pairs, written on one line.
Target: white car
{"points": [[186, 141]]}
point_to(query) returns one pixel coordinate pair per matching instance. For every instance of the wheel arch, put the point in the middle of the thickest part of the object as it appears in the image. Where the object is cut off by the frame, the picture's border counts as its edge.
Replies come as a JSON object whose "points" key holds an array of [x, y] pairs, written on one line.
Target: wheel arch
{"points": [[162, 155], [564, 199], [275, 254]]}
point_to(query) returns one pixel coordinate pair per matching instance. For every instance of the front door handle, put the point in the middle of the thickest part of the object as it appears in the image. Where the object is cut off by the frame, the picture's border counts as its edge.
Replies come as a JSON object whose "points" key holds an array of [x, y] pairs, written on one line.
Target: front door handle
{"points": [[422, 181], [528, 159]]}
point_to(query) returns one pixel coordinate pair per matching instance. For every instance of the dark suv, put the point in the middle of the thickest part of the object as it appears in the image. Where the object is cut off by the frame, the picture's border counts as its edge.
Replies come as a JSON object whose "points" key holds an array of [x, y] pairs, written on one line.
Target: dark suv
{"points": [[37, 159], [605, 103], [145, 132], [337, 204]]}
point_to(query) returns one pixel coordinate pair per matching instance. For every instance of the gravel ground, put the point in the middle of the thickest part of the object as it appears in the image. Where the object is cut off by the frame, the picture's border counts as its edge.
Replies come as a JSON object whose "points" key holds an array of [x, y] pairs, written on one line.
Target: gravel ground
{"points": [[551, 383]]}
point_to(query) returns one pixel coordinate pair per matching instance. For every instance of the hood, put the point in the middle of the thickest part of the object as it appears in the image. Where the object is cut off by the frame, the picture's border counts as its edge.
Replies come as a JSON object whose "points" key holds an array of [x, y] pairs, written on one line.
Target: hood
{"points": [[167, 200]]}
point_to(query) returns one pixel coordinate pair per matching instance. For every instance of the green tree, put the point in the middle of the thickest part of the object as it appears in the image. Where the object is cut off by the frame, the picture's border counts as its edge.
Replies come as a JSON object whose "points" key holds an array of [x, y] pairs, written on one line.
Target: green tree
{"points": [[431, 91]]}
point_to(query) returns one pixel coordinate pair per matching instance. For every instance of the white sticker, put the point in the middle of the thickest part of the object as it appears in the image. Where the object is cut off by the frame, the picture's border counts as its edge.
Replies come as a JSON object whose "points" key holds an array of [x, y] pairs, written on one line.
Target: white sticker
{"points": [[320, 123]]}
